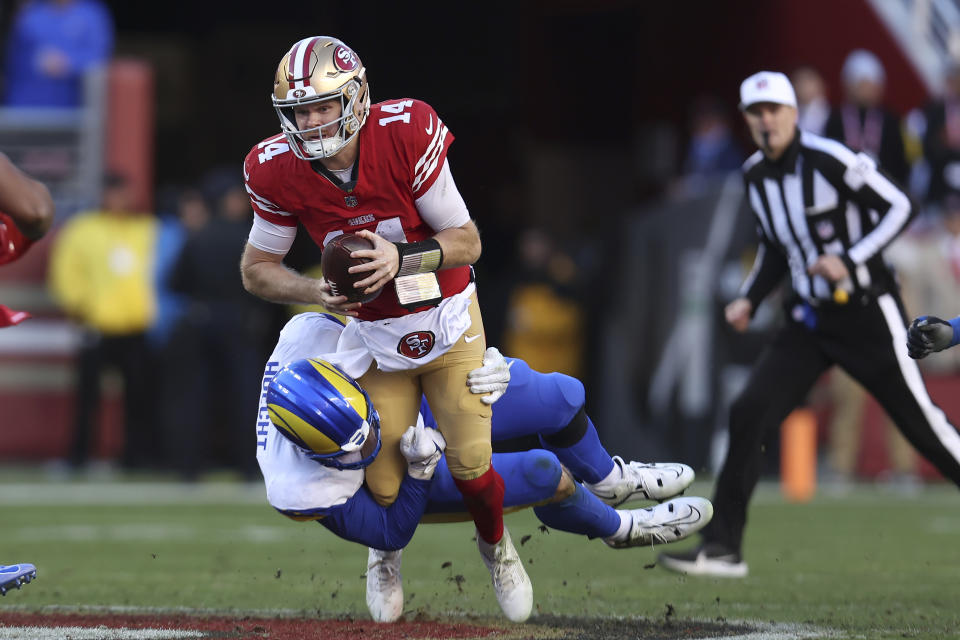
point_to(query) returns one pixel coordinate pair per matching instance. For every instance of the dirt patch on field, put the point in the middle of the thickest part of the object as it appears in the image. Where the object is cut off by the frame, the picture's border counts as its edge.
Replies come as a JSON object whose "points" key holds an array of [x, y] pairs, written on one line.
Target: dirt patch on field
{"points": [[49, 626]]}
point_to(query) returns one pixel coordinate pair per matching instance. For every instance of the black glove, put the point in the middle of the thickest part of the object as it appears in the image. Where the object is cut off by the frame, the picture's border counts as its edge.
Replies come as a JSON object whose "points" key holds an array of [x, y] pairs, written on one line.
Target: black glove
{"points": [[928, 334]]}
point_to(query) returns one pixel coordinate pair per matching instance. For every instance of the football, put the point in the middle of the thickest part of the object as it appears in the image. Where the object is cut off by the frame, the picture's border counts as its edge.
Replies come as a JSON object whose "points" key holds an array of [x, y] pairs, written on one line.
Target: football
{"points": [[335, 260]]}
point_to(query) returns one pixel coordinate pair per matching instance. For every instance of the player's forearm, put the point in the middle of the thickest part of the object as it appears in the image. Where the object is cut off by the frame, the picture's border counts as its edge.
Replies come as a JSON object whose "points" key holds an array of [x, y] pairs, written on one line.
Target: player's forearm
{"points": [[460, 245], [955, 324], [277, 283], [364, 521]]}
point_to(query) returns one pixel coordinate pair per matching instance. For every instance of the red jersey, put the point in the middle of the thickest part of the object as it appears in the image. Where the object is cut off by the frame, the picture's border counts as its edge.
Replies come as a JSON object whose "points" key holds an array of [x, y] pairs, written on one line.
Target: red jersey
{"points": [[403, 145], [12, 245]]}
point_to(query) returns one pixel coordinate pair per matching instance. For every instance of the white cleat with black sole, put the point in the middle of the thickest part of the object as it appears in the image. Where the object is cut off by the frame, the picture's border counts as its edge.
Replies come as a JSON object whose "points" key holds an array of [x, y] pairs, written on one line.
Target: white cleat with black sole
{"points": [[510, 581], [665, 523], [384, 585], [708, 559], [643, 481]]}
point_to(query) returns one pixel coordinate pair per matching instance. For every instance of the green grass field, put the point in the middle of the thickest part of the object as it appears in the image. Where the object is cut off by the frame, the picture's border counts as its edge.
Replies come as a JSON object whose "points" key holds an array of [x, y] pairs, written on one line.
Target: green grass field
{"points": [[870, 564]]}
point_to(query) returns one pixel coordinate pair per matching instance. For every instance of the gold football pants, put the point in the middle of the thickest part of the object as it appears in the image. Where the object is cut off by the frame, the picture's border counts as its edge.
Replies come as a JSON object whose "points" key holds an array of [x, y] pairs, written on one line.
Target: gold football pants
{"points": [[462, 418]]}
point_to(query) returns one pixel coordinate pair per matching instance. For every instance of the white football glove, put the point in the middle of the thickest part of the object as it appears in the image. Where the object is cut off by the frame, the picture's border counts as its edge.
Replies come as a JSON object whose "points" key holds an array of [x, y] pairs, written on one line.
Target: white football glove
{"points": [[422, 448], [492, 378]]}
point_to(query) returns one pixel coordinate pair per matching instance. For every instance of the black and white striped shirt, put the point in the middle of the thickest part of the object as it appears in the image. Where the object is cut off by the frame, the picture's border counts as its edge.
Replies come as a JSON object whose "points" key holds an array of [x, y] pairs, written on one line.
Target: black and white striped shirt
{"points": [[822, 198]]}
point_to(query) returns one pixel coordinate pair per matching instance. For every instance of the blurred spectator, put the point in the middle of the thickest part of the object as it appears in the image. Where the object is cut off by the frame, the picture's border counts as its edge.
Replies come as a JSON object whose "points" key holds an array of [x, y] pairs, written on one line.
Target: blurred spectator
{"points": [[181, 212], [914, 132], [862, 122], [220, 344], [101, 274], [51, 45], [544, 317], [712, 150], [813, 108], [941, 141]]}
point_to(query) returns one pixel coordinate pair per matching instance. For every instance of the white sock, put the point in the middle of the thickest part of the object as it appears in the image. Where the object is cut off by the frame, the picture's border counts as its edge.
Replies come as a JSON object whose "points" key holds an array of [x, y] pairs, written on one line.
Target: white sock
{"points": [[612, 478], [626, 521]]}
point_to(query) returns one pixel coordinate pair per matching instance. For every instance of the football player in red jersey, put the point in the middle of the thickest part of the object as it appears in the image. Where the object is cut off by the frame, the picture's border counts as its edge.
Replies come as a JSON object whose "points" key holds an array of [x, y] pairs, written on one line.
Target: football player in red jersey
{"points": [[381, 171], [26, 213]]}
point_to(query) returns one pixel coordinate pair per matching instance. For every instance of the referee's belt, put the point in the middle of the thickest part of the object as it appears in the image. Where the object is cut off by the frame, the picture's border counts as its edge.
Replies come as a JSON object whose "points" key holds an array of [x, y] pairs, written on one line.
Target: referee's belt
{"points": [[858, 298]]}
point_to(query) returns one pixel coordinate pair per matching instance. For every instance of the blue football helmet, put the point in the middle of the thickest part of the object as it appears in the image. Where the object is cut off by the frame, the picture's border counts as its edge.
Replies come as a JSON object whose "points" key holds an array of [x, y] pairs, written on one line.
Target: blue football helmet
{"points": [[322, 410]]}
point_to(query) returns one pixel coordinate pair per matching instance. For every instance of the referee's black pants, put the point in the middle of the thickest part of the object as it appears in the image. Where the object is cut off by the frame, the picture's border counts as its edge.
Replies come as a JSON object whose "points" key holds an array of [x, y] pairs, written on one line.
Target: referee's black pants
{"points": [[868, 339]]}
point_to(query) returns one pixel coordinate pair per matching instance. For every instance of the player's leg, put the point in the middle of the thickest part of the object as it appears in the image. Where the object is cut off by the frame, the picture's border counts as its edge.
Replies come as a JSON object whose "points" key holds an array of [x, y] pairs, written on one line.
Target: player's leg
{"points": [[882, 366], [464, 421], [384, 585], [579, 511], [550, 406], [13, 576], [529, 478], [778, 383], [396, 397], [536, 478]]}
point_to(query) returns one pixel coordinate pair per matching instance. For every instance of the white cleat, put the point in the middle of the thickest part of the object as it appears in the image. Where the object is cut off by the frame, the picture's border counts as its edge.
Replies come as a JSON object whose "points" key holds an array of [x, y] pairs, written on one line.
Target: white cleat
{"points": [[709, 559], [664, 523], [510, 580], [384, 585], [644, 481]]}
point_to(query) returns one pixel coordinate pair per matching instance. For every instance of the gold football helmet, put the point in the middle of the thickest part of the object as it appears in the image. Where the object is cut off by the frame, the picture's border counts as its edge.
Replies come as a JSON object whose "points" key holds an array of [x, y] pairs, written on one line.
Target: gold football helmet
{"points": [[316, 69]]}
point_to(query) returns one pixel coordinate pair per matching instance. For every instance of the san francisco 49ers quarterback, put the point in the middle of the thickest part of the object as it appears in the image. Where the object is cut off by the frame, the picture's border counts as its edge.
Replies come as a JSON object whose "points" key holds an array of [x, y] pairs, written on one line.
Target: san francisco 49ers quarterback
{"points": [[381, 171]]}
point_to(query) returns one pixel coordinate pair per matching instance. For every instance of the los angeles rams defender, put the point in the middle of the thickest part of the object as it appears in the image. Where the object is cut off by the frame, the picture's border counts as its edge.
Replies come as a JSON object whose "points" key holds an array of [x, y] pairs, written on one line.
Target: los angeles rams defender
{"points": [[317, 430]]}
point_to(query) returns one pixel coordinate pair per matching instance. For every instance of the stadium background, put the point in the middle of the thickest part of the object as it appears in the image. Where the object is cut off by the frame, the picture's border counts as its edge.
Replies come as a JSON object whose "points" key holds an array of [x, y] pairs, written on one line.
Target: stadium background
{"points": [[570, 117]]}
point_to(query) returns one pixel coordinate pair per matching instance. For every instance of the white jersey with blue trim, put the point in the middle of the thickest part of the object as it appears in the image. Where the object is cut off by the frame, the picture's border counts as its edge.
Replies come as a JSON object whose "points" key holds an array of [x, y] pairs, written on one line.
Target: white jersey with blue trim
{"points": [[295, 483]]}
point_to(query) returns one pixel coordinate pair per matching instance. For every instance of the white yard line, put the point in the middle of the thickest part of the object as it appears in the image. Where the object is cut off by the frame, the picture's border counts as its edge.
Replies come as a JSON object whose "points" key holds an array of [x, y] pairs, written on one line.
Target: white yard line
{"points": [[148, 532], [782, 631], [130, 493], [93, 633]]}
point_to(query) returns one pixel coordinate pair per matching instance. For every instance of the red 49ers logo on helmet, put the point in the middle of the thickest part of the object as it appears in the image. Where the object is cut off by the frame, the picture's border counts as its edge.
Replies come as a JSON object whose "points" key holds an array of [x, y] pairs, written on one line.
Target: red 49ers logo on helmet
{"points": [[417, 344], [344, 58]]}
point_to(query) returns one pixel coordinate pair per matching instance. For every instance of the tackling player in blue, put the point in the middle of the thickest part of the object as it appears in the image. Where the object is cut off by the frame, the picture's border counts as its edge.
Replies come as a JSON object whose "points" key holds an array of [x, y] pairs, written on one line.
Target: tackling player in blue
{"points": [[317, 430]]}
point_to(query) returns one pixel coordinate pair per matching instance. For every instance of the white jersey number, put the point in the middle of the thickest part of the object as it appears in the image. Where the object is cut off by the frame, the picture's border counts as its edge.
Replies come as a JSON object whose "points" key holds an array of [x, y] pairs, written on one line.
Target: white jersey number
{"points": [[271, 150], [397, 108]]}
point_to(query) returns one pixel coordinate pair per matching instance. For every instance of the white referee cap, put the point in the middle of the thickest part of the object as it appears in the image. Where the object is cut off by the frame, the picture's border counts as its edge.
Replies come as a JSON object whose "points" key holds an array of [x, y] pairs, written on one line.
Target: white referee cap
{"points": [[767, 86]]}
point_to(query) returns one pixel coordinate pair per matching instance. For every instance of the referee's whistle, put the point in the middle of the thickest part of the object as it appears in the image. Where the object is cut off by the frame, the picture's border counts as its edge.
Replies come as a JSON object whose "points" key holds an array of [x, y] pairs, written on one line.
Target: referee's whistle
{"points": [[840, 296]]}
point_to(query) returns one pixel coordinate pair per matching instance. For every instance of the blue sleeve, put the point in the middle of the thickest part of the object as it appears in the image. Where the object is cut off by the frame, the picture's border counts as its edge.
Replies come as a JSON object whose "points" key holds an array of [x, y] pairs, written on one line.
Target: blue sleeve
{"points": [[955, 323], [363, 520], [428, 420]]}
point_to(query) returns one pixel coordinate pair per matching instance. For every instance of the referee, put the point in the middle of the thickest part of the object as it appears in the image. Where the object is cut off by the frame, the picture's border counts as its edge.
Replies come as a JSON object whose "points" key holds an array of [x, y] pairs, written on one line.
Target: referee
{"points": [[824, 215]]}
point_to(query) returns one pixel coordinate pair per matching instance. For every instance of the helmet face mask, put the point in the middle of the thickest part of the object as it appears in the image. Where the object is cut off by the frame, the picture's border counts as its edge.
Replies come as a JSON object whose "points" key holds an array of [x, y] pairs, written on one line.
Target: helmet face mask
{"points": [[325, 413], [318, 69]]}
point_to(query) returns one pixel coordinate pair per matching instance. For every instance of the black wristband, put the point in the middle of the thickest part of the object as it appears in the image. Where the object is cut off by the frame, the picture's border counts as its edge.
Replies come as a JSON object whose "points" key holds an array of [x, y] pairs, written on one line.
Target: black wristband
{"points": [[419, 257]]}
